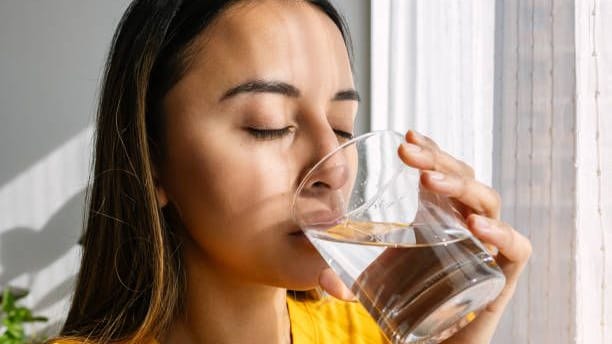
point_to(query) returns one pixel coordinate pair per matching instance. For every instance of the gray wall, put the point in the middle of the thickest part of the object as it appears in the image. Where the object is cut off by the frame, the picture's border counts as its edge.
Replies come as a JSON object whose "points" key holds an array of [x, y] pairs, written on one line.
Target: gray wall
{"points": [[51, 59], [357, 13]]}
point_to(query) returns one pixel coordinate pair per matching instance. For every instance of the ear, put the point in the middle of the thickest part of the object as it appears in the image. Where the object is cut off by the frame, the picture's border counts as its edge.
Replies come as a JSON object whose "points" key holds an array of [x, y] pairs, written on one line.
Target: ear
{"points": [[160, 192]]}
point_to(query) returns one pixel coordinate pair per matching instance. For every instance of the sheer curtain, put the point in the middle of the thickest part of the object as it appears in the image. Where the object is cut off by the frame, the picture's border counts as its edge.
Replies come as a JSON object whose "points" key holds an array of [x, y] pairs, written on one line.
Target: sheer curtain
{"points": [[522, 90], [433, 70]]}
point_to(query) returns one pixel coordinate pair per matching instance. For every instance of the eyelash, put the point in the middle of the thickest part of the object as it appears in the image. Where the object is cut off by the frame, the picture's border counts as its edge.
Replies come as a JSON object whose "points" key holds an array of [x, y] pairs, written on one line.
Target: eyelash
{"points": [[269, 134]]}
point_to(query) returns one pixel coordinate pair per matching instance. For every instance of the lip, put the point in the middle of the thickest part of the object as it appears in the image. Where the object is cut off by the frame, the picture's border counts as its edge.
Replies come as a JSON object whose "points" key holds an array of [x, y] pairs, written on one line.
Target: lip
{"points": [[323, 218], [300, 237], [299, 232], [299, 240]]}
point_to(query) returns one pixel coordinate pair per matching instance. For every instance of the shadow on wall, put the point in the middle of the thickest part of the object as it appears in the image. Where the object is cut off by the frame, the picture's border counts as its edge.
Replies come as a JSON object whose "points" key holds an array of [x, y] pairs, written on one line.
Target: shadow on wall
{"points": [[27, 251], [55, 295]]}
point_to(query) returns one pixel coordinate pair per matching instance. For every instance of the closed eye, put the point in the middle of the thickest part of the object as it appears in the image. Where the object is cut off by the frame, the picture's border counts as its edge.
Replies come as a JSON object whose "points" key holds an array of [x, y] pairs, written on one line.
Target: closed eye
{"points": [[344, 134], [269, 134]]}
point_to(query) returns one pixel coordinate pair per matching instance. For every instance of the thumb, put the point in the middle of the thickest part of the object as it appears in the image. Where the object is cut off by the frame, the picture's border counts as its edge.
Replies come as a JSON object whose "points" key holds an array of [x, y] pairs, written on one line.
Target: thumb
{"points": [[333, 285]]}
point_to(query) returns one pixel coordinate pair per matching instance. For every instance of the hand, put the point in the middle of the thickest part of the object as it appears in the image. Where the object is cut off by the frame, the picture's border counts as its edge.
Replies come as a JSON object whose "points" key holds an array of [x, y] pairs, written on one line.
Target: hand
{"points": [[480, 205]]}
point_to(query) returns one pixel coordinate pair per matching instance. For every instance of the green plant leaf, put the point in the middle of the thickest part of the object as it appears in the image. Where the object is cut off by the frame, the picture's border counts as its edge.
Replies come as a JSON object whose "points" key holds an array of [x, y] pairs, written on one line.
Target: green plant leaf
{"points": [[23, 313], [8, 302], [15, 329], [14, 319]]}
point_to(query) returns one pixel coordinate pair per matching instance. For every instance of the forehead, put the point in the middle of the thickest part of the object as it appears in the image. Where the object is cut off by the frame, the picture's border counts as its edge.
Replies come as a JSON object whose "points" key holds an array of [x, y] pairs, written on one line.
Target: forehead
{"points": [[290, 40]]}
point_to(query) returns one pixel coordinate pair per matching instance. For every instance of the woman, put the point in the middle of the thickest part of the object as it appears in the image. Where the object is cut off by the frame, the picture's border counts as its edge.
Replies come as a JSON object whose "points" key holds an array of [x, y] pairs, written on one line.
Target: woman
{"points": [[210, 114]]}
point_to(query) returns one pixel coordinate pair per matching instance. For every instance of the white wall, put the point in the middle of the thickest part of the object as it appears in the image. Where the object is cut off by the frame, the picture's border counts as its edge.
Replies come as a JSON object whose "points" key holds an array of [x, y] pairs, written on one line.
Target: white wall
{"points": [[50, 63]]}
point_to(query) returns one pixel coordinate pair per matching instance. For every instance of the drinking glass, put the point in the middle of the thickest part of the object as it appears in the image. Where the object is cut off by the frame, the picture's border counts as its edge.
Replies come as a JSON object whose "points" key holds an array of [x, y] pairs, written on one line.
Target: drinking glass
{"points": [[404, 252]]}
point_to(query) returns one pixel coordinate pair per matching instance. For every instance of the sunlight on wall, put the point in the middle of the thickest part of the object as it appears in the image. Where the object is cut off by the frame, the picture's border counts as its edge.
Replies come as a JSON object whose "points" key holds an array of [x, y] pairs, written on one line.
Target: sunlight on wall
{"points": [[40, 225]]}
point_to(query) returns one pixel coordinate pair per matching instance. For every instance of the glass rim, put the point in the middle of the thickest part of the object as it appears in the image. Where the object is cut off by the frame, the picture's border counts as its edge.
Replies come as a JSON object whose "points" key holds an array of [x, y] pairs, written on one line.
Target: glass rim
{"points": [[326, 157]]}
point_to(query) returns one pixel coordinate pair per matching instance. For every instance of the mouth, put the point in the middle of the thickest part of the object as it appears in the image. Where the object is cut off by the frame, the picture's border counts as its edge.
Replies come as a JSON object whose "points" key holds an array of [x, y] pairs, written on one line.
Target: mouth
{"points": [[323, 218], [300, 239], [298, 232], [299, 236]]}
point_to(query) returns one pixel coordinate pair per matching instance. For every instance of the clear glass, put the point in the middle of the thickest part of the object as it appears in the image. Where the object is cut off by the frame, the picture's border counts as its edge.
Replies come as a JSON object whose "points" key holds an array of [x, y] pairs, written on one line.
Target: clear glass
{"points": [[403, 251]]}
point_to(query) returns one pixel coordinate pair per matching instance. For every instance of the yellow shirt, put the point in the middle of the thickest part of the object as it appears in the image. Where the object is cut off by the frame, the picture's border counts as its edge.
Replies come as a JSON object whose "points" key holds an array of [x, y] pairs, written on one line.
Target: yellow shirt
{"points": [[324, 321], [332, 321]]}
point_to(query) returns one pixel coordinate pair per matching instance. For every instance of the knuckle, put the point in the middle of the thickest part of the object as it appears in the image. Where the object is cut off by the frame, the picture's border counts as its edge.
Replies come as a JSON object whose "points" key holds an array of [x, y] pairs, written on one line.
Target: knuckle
{"points": [[432, 143], [464, 183], [491, 201], [496, 199], [467, 169], [518, 242], [510, 234], [506, 228], [436, 159]]}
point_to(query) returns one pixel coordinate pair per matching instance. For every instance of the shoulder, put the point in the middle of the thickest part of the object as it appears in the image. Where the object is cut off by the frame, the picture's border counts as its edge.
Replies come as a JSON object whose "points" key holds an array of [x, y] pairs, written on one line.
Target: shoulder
{"points": [[332, 321], [66, 341], [72, 340]]}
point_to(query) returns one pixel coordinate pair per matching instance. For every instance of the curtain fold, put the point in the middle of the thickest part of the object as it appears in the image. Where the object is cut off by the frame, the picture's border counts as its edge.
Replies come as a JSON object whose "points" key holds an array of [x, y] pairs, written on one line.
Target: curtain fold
{"points": [[433, 71]]}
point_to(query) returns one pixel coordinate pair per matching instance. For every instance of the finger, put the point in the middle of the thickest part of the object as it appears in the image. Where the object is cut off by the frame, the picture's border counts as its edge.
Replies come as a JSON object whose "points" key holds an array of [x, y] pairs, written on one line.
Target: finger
{"points": [[415, 137], [491, 249], [422, 153], [511, 244], [333, 285], [477, 196]]}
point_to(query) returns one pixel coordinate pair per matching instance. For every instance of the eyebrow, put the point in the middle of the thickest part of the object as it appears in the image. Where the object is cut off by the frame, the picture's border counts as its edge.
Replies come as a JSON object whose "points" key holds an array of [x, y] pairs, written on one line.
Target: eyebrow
{"points": [[283, 88]]}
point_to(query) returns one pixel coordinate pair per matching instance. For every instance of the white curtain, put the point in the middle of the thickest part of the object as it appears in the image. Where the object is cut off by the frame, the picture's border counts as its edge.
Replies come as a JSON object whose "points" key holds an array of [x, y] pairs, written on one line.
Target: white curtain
{"points": [[550, 155], [432, 70]]}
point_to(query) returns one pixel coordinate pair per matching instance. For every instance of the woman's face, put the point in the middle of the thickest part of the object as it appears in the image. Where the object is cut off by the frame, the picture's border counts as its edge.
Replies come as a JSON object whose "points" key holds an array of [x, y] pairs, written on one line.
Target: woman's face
{"points": [[269, 92]]}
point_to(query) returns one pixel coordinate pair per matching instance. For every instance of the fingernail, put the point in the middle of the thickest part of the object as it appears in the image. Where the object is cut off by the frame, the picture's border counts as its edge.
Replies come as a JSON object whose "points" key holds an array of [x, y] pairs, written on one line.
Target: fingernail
{"points": [[492, 249], [418, 136], [411, 148], [435, 175], [350, 297], [482, 224]]}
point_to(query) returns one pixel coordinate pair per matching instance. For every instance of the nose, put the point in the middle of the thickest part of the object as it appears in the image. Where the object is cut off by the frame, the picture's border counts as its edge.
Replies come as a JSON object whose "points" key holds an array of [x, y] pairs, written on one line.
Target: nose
{"points": [[325, 189], [324, 194], [331, 172]]}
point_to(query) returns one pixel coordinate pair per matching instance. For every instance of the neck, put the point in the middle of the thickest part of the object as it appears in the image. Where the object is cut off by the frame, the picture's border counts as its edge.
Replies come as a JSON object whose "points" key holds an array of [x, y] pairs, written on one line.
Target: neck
{"points": [[222, 309]]}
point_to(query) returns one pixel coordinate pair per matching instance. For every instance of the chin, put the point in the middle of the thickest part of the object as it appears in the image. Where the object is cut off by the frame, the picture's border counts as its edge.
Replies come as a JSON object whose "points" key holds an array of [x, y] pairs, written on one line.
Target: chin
{"points": [[296, 272], [304, 275]]}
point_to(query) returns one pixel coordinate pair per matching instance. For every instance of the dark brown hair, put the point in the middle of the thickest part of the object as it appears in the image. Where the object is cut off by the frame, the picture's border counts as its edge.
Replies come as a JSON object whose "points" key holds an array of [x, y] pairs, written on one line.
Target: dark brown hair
{"points": [[131, 281]]}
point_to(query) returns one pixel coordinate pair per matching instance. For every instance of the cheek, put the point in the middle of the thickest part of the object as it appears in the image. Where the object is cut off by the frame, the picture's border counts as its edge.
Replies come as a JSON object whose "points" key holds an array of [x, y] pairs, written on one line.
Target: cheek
{"points": [[248, 184], [222, 186], [235, 203]]}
